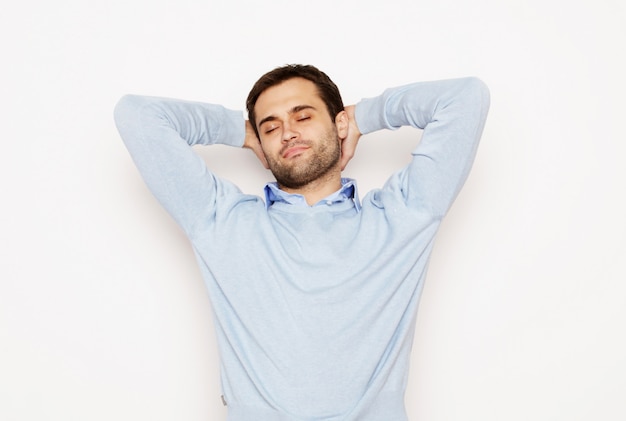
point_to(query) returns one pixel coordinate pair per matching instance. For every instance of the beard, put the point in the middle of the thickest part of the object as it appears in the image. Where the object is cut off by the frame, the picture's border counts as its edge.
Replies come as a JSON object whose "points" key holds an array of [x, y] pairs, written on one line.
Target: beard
{"points": [[297, 173]]}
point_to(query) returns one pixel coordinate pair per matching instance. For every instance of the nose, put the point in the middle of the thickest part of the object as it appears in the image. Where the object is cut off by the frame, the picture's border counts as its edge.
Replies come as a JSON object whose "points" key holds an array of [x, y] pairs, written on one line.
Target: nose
{"points": [[289, 132]]}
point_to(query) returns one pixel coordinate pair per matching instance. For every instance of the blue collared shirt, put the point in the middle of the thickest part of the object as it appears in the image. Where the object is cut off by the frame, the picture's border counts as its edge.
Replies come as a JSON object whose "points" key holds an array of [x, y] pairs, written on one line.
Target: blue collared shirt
{"points": [[347, 191]]}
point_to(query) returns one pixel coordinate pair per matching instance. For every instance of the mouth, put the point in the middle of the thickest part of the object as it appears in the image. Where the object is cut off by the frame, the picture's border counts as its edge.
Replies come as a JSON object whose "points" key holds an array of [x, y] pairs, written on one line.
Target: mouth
{"points": [[294, 151]]}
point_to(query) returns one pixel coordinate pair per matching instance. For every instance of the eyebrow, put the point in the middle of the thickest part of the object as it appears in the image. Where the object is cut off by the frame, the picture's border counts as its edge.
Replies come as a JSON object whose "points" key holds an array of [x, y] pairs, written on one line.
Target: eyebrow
{"points": [[294, 110]]}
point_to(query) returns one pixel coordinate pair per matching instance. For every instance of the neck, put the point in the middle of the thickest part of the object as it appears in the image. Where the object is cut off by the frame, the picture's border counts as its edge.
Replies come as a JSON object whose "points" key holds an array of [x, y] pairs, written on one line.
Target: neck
{"points": [[318, 189]]}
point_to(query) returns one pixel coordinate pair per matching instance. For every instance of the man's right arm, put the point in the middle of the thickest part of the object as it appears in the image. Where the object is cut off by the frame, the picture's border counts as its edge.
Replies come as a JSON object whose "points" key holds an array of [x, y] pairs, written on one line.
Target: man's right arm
{"points": [[159, 133], [252, 142]]}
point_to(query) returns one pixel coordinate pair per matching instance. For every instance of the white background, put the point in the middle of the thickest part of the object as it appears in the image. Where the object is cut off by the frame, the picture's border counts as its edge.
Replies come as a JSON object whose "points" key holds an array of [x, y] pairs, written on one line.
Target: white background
{"points": [[103, 314]]}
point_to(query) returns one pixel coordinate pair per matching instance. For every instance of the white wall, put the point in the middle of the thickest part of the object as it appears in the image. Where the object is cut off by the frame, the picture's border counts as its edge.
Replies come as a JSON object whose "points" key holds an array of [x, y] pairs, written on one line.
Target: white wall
{"points": [[103, 314]]}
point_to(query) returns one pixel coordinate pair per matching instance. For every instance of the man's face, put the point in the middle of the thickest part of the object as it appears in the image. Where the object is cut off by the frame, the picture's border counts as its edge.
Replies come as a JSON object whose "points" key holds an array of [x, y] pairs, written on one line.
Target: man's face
{"points": [[298, 136]]}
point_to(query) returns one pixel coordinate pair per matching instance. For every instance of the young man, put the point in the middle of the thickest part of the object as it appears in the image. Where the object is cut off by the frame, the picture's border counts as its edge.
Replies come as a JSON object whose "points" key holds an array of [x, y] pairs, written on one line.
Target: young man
{"points": [[314, 294]]}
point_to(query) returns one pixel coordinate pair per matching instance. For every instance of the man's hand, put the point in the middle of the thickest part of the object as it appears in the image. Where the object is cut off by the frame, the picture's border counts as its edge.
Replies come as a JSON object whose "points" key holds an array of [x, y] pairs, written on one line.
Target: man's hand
{"points": [[252, 142], [348, 145]]}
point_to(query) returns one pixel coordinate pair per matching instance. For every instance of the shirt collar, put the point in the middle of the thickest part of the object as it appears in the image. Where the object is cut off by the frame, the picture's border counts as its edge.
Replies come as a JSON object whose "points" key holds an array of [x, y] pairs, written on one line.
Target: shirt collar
{"points": [[348, 191]]}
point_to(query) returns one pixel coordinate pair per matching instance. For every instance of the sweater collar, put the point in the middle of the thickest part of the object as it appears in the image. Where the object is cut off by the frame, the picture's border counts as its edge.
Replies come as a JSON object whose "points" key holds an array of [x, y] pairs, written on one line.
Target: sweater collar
{"points": [[348, 191]]}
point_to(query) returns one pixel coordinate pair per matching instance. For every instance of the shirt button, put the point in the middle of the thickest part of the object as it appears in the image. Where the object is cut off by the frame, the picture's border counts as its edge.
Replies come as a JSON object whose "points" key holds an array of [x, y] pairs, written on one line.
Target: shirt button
{"points": [[329, 202]]}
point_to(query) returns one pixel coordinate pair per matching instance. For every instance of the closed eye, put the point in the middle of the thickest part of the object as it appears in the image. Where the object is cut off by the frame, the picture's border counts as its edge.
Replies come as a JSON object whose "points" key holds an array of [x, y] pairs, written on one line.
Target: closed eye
{"points": [[269, 127]]}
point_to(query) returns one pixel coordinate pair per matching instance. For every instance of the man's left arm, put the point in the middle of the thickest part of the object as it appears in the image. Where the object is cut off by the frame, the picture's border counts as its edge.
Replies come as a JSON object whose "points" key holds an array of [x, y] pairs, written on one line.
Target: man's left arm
{"points": [[452, 115]]}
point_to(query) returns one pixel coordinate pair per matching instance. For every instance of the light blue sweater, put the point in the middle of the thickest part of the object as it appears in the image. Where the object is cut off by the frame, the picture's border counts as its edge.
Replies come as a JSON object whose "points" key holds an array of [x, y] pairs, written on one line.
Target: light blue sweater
{"points": [[314, 306]]}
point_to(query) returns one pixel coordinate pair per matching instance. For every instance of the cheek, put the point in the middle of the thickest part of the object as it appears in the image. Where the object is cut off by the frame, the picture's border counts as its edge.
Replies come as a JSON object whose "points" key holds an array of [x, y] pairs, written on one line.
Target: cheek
{"points": [[272, 152], [268, 144]]}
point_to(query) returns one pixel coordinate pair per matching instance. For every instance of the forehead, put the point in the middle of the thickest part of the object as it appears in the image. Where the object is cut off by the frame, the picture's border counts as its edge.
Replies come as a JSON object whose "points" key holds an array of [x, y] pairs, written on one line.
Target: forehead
{"points": [[286, 95]]}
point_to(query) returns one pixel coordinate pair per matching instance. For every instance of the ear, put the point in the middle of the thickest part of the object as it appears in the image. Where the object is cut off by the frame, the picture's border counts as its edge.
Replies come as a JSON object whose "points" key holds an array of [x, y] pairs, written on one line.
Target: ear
{"points": [[342, 123]]}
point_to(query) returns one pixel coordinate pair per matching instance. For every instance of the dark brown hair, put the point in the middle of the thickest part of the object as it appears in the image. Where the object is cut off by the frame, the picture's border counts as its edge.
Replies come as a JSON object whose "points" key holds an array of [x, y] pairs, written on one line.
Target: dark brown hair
{"points": [[326, 88]]}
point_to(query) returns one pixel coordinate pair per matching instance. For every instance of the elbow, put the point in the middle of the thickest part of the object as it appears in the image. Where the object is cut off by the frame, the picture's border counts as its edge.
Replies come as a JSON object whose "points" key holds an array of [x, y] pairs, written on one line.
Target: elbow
{"points": [[127, 116], [126, 107], [130, 111], [478, 90]]}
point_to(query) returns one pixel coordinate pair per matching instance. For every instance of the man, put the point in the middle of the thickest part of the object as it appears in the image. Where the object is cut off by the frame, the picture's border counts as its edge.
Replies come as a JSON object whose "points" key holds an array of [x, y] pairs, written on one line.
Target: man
{"points": [[314, 294]]}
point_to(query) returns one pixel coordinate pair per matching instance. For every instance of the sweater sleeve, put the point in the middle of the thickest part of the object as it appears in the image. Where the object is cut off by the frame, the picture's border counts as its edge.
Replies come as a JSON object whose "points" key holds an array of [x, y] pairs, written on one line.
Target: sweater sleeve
{"points": [[452, 115], [159, 134]]}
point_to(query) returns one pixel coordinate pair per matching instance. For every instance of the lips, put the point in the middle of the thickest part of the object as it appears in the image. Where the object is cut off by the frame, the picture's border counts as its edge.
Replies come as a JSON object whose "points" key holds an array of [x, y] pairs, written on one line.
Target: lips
{"points": [[294, 150]]}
